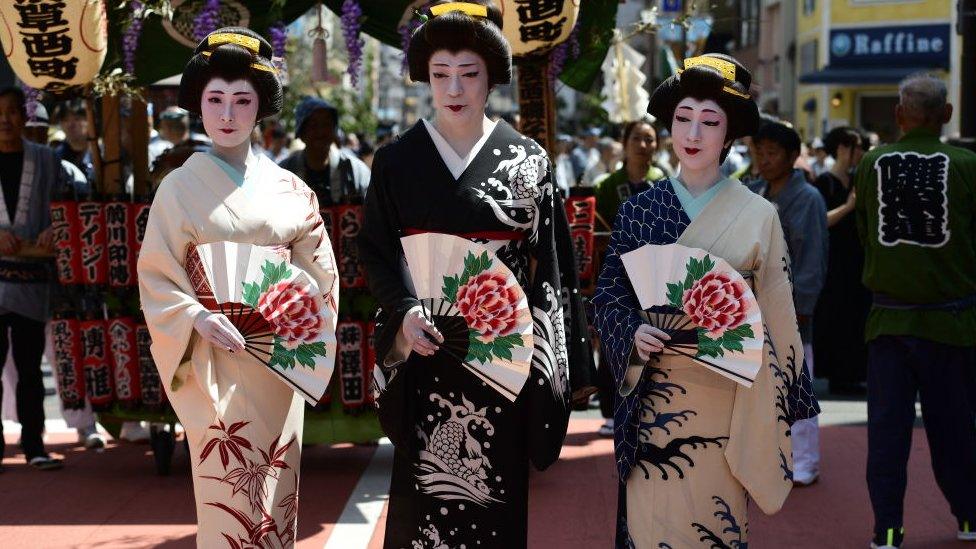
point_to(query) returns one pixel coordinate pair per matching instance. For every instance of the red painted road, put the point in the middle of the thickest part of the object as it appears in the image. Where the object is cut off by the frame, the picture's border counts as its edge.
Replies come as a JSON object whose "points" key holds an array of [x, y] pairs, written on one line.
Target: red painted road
{"points": [[113, 499]]}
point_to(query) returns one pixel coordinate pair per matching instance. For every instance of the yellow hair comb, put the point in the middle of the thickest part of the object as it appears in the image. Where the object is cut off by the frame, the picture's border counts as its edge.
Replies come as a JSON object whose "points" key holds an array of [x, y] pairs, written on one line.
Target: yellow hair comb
{"points": [[257, 66], [725, 68], [474, 10], [248, 42]]}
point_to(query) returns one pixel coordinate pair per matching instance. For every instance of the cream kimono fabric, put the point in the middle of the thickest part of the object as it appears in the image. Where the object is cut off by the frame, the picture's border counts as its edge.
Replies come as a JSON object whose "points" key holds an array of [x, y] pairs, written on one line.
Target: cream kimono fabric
{"points": [[703, 444], [244, 425]]}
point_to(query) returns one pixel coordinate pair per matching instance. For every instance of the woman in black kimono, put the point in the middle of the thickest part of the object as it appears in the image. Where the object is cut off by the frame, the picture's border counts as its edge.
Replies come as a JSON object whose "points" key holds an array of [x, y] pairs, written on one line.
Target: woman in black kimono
{"points": [[840, 353], [460, 475]]}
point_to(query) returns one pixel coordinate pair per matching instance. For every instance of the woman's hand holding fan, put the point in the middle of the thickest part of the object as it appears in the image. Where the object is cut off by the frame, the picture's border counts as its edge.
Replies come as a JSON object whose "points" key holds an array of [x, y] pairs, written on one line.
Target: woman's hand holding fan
{"points": [[649, 340], [217, 330], [416, 328]]}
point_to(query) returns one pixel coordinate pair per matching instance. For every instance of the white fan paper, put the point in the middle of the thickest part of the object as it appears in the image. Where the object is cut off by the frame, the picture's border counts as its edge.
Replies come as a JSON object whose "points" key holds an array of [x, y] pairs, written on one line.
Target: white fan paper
{"points": [[476, 302], [688, 292]]}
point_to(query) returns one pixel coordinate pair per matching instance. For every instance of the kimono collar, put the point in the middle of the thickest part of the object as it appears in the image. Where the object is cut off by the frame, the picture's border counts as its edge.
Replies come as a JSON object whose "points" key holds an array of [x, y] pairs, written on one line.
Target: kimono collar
{"points": [[693, 205], [454, 162]]}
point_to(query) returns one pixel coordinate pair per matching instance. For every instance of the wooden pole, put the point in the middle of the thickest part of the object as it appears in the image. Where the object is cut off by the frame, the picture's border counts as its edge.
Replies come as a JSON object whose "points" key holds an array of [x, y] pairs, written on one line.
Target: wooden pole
{"points": [[111, 183], [139, 147]]}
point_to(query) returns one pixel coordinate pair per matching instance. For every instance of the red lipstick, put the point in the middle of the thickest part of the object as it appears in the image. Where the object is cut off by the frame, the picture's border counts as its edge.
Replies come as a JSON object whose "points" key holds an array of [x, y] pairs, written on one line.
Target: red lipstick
{"points": [[692, 151], [226, 130], [455, 108]]}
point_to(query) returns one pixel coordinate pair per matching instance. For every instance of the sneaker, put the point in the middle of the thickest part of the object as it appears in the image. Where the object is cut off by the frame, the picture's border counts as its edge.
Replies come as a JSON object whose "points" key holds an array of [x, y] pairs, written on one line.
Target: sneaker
{"points": [[134, 431], [801, 480], [606, 430], [90, 438], [45, 463], [891, 538], [967, 530]]}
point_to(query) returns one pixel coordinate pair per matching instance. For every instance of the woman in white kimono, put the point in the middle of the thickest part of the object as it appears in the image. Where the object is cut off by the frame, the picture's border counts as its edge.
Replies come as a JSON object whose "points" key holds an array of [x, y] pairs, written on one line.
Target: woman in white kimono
{"points": [[693, 446], [244, 425]]}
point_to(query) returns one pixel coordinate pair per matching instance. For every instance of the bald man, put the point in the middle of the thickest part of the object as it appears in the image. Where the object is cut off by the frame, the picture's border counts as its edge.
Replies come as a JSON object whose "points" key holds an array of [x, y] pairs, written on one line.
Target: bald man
{"points": [[916, 217]]}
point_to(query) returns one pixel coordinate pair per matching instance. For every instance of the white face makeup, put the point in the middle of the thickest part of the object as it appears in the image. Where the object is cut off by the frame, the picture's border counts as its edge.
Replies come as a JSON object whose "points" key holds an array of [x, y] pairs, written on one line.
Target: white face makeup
{"points": [[229, 111], [459, 85], [698, 132]]}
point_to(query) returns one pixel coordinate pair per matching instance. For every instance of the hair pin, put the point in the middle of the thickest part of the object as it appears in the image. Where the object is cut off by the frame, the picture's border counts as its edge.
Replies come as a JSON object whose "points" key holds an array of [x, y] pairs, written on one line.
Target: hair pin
{"points": [[257, 66], [248, 42], [474, 10]]}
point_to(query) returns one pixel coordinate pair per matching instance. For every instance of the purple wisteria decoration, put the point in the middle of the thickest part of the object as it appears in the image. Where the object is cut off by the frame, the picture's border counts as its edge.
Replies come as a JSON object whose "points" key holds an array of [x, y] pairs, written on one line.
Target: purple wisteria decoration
{"points": [[207, 20], [406, 32], [279, 37], [561, 53], [31, 97], [351, 13], [130, 39]]}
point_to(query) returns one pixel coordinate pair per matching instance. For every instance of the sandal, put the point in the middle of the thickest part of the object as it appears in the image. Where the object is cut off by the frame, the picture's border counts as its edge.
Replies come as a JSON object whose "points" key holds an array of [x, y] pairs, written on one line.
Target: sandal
{"points": [[45, 463]]}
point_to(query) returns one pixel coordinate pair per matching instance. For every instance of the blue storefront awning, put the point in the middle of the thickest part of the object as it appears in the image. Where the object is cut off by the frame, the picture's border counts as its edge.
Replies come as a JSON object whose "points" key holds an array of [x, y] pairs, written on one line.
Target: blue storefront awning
{"points": [[862, 75]]}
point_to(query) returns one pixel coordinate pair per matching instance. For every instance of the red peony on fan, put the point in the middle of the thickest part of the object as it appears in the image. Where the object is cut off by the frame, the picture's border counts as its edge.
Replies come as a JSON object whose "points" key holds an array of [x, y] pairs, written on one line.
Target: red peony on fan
{"points": [[478, 306], [276, 306], [703, 303]]}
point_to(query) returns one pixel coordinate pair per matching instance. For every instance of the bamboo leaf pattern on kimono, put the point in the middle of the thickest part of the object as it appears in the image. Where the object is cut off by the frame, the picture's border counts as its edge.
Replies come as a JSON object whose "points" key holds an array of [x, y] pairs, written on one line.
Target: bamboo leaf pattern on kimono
{"points": [[227, 444]]}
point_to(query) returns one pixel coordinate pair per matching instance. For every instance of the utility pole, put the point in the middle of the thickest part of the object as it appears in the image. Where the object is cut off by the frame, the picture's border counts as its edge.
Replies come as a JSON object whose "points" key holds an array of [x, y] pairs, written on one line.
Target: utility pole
{"points": [[967, 92]]}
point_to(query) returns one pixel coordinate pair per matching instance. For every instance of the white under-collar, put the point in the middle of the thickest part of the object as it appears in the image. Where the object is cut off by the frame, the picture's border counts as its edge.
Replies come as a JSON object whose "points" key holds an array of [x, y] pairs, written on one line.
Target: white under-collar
{"points": [[455, 163]]}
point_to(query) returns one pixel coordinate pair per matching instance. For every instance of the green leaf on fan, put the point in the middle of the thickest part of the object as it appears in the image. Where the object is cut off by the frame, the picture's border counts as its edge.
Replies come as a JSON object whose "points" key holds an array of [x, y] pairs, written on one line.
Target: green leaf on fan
{"points": [[732, 339], [451, 285], [281, 357], [478, 350], [305, 356], [708, 346], [503, 345], [252, 293], [474, 265], [675, 293]]}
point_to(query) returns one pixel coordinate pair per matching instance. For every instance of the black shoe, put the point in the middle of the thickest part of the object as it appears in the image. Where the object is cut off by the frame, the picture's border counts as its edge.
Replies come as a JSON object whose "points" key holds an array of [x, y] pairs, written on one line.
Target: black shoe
{"points": [[45, 463], [889, 538]]}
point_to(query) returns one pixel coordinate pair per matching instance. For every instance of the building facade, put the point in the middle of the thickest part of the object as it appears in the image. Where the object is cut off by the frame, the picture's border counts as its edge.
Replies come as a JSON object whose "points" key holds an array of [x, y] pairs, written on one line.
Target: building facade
{"points": [[851, 54]]}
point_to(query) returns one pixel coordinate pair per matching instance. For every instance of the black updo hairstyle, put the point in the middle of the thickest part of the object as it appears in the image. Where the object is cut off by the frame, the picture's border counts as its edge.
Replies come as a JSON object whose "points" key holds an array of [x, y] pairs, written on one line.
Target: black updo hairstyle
{"points": [[703, 81], [232, 61], [843, 135], [456, 31]]}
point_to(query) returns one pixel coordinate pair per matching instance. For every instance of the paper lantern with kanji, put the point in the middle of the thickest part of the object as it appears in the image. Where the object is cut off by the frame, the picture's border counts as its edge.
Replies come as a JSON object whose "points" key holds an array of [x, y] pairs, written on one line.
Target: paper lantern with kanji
{"points": [[53, 44], [536, 26]]}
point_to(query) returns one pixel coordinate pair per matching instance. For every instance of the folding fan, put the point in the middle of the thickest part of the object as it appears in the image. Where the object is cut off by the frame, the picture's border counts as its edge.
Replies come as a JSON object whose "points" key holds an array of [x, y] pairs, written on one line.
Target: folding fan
{"points": [[276, 306], [478, 306], [704, 304]]}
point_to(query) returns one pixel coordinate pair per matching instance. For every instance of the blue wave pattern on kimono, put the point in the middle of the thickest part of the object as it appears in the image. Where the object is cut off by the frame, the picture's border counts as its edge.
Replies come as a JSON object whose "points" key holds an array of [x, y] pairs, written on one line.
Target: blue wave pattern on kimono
{"points": [[655, 217]]}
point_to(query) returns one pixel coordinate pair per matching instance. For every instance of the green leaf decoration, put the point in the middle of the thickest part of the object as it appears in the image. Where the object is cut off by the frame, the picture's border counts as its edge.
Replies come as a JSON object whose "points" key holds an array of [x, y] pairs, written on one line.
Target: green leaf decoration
{"points": [[477, 350], [473, 266], [252, 293], [675, 292], [708, 346], [503, 345], [285, 359], [451, 285]]}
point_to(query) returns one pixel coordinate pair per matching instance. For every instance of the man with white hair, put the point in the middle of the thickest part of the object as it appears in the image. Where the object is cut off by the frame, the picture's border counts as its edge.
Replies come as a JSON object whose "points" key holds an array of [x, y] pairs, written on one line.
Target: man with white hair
{"points": [[916, 217]]}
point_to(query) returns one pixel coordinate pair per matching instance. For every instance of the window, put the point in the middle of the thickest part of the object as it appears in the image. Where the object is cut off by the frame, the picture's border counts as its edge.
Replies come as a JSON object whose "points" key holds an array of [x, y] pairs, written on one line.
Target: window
{"points": [[749, 23], [809, 6], [808, 57]]}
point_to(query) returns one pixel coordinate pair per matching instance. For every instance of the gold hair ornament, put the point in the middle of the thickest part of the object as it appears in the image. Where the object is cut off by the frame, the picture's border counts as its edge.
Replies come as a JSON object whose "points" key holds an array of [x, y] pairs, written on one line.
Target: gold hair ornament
{"points": [[257, 66], [725, 68], [248, 42], [474, 10]]}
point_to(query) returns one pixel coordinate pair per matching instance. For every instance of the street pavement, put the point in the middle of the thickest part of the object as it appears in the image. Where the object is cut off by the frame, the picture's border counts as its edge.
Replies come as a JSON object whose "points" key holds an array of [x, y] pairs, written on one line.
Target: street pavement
{"points": [[114, 499]]}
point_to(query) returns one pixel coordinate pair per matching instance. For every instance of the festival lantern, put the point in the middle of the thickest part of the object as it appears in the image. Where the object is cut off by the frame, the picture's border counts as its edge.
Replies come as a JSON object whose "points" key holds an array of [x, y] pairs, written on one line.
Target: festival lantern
{"points": [[120, 227], [53, 44], [68, 367], [150, 385], [66, 226], [94, 259], [99, 375], [536, 26], [125, 359], [581, 213], [351, 338], [348, 223], [139, 215]]}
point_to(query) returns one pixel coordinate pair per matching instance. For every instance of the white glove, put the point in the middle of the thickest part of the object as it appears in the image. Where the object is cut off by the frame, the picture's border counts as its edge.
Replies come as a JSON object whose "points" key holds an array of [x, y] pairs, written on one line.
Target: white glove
{"points": [[216, 329]]}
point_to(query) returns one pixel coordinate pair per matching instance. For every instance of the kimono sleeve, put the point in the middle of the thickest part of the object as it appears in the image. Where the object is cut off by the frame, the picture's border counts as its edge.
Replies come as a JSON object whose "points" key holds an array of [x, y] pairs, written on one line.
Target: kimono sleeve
{"points": [[547, 389], [167, 297], [312, 252], [759, 452], [382, 256], [617, 308]]}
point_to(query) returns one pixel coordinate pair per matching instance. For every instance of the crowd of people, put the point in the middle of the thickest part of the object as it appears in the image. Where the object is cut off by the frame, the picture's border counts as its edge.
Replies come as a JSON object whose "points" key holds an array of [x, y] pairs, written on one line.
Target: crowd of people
{"points": [[860, 256]]}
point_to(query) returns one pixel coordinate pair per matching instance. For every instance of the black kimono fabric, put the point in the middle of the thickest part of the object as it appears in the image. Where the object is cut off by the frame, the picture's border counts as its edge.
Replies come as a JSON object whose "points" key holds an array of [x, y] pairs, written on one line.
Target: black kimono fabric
{"points": [[460, 473], [839, 351]]}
